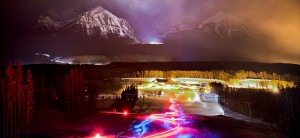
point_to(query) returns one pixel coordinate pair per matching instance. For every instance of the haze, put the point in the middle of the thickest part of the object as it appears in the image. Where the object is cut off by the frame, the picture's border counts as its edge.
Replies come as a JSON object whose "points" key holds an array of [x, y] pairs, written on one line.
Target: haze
{"points": [[278, 19]]}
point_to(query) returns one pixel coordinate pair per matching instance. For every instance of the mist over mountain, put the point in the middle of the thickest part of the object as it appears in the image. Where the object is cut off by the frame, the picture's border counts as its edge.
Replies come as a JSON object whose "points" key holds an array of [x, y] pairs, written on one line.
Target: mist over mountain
{"points": [[221, 37], [227, 26]]}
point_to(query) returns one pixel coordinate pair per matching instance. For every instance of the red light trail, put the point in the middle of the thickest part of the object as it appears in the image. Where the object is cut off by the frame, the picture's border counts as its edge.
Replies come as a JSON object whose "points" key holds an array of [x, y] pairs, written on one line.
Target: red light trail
{"points": [[169, 117], [173, 118]]}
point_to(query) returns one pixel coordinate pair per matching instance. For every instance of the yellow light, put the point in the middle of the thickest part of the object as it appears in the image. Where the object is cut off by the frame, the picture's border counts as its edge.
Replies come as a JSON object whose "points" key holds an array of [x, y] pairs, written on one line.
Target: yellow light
{"points": [[206, 91], [276, 90]]}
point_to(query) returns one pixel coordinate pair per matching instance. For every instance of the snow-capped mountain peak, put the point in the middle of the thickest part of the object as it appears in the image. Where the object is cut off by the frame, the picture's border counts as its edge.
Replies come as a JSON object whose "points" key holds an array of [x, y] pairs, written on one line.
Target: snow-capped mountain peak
{"points": [[97, 23], [226, 26], [104, 22]]}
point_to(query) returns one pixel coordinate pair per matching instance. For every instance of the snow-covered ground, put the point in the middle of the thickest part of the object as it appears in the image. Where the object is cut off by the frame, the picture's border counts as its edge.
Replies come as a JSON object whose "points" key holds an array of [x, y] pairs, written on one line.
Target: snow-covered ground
{"points": [[203, 104], [239, 116], [202, 108]]}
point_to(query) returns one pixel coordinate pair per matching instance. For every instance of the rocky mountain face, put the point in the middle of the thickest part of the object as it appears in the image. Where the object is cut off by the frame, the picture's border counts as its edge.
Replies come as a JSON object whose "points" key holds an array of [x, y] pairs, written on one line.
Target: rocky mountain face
{"points": [[97, 23], [45, 23]]}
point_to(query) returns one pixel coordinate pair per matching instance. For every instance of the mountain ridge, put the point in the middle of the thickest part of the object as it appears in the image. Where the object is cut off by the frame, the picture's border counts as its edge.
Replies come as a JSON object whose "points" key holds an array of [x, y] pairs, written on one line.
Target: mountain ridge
{"points": [[223, 25], [96, 22]]}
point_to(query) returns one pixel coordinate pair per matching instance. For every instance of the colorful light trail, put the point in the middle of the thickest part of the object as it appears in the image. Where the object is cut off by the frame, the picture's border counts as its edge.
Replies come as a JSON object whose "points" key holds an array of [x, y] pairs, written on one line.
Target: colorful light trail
{"points": [[168, 123]]}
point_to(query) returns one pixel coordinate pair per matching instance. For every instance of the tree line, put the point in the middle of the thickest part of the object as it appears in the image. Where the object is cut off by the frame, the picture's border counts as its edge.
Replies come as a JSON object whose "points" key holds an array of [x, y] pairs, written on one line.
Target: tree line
{"points": [[214, 74], [16, 101]]}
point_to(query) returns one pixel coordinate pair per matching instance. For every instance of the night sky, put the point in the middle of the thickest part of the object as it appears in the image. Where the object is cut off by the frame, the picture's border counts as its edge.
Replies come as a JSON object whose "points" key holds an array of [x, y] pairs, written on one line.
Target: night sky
{"points": [[280, 19]]}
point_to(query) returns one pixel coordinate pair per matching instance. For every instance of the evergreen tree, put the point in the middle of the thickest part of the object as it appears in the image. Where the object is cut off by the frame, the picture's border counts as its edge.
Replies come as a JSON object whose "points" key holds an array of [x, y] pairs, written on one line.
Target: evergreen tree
{"points": [[74, 92]]}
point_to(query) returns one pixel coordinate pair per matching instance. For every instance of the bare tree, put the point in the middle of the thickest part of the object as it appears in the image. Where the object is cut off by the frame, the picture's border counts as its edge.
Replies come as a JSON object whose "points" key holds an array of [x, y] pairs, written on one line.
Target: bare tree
{"points": [[74, 92], [17, 101]]}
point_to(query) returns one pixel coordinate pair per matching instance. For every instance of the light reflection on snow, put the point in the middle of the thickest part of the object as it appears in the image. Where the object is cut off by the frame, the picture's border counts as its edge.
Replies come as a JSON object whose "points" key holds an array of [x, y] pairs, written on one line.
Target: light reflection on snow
{"points": [[61, 60], [42, 54]]}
